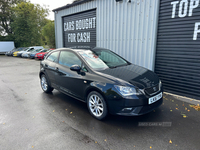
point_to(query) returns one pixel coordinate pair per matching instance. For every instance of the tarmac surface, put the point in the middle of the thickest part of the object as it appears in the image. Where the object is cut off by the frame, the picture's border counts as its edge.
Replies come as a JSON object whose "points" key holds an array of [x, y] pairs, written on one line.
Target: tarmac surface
{"points": [[32, 119]]}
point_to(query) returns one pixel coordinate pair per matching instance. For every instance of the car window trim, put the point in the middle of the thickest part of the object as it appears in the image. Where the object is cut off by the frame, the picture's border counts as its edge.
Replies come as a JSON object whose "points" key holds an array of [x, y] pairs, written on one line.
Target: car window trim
{"points": [[52, 53], [71, 52]]}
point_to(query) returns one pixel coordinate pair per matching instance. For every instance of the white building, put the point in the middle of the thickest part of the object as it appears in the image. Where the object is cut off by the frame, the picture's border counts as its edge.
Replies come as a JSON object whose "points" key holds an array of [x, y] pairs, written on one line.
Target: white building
{"points": [[161, 35]]}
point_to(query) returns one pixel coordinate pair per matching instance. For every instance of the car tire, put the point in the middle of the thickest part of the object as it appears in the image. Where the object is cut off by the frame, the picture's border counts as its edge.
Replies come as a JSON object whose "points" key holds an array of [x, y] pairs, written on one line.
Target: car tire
{"points": [[97, 105], [45, 84]]}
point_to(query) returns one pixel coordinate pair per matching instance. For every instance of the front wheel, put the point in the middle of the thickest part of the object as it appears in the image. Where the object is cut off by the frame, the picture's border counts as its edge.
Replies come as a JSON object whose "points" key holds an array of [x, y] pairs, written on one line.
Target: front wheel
{"points": [[45, 85], [97, 105]]}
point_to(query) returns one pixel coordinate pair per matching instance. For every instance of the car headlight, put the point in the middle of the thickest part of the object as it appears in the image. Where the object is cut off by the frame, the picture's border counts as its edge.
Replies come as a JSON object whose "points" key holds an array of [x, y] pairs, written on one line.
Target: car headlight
{"points": [[160, 84], [40, 55], [126, 91]]}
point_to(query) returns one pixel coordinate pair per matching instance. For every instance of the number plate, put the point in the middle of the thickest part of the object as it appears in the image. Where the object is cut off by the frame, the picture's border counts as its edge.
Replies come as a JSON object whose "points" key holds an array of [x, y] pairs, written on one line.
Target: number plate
{"points": [[155, 98]]}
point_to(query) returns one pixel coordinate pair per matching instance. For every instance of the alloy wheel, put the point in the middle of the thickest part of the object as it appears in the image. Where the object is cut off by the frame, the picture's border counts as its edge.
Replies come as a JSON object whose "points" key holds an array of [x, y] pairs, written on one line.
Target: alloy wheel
{"points": [[96, 105], [44, 83]]}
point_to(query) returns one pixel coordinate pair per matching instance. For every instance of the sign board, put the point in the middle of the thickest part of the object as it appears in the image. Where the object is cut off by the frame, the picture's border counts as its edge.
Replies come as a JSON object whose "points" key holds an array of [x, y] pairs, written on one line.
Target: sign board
{"points": [[79, 30], [186, 8]]}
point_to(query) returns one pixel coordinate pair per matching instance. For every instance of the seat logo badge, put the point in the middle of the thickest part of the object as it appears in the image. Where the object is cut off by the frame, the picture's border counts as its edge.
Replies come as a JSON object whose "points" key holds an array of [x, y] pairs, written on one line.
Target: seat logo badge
{"points": [[154, 88]]}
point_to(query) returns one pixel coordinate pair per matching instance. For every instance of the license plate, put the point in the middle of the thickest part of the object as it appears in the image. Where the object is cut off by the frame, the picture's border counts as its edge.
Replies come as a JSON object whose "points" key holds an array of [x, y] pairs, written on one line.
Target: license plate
{"points": [[155, 98]]}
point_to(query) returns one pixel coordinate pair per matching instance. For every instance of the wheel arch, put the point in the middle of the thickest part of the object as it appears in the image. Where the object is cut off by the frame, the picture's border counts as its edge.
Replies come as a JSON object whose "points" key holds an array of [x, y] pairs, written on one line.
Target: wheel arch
{"points": [[43, 73], [94, 89]]}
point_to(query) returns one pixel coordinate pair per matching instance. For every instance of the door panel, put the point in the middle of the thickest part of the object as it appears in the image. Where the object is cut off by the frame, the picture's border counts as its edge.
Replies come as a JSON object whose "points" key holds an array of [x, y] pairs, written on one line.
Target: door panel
{"points": [[50, 67], [50, 70], [69, 81]]}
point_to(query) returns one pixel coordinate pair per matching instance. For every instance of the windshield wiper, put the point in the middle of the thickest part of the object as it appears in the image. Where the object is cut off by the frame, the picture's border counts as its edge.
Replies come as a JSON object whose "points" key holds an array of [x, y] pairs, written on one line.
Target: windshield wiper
{"points": [[113, 67], [119, 66]]}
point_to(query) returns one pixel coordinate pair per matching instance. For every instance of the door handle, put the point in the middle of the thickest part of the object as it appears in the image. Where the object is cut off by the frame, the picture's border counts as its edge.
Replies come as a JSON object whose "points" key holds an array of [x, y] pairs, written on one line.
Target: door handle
{"points": [[59, 72]]}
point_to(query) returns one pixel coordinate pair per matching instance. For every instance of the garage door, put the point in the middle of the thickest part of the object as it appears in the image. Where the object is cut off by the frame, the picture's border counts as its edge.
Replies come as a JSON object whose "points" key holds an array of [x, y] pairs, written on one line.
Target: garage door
{"points": [[178, 47]]}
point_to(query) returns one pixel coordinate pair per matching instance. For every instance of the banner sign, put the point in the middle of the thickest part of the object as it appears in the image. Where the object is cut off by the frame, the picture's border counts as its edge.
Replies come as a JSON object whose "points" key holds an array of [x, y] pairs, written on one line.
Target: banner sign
{"points": [[79, 30]]}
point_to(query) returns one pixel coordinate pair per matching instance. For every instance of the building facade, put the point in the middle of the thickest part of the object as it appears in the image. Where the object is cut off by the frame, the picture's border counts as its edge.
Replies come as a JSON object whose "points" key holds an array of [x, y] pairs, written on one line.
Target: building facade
{"points": [[161, 35], [127, 28]]}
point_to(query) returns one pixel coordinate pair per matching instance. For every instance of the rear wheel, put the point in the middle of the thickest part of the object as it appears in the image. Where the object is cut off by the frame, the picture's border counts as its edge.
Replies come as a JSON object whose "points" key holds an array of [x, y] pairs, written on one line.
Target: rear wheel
{"points": [[97, 105], [45, 84]]}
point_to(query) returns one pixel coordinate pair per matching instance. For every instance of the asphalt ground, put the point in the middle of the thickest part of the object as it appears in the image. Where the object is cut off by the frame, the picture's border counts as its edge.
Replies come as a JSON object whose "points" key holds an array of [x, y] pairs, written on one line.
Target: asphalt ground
{"points": [[32, 119]]}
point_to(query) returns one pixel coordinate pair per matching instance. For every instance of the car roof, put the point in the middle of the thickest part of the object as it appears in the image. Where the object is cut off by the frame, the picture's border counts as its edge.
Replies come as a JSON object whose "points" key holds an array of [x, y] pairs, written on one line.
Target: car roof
{"points": [[79, 50]]}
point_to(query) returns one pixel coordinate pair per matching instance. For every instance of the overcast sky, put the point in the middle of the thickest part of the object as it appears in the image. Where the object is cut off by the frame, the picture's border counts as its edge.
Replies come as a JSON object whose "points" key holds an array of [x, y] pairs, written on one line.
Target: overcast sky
{"points": [[51, 5]]}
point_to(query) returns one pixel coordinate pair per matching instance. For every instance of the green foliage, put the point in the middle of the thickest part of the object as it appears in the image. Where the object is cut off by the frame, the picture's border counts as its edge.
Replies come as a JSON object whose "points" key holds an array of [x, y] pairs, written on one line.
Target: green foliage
{"points": [[48, 33], [25, 23], [6, 15], [28, 20]]}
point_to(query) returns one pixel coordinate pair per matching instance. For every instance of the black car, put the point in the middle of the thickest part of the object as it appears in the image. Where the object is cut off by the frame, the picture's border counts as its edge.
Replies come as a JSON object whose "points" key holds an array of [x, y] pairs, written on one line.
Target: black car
{"points": [[105, 81]]}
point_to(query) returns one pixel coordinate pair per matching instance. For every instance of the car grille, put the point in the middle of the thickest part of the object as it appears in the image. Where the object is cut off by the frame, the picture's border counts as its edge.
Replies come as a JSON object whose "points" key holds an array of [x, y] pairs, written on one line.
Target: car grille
{"points": [[152, 90]]}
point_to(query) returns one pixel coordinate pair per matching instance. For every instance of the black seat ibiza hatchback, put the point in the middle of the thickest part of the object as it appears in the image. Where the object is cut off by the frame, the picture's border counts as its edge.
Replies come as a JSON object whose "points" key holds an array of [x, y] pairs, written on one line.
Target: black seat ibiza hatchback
{"points": [[105, 81]]}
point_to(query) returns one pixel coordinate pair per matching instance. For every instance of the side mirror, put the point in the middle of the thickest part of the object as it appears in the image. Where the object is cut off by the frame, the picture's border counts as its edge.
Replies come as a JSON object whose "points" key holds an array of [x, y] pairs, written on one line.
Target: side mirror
{"points": [[75, 68]]}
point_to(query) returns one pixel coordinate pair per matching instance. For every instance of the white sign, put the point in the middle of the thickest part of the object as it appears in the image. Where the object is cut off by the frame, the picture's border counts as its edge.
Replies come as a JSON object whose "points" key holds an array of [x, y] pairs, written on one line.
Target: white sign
{"points": [[183, 11], [84, 24]]}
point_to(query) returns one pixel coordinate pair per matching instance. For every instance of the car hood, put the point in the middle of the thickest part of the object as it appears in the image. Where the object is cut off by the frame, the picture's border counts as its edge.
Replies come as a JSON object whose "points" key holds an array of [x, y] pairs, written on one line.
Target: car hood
{"points": [[26, 52], [33, 53], [133, 74], [22, 52], [41, 53]]}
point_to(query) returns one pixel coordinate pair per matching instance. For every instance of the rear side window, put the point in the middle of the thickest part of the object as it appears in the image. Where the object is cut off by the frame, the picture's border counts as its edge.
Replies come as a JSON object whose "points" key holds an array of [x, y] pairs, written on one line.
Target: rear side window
{"points": [[68, 59], [53, 57]]}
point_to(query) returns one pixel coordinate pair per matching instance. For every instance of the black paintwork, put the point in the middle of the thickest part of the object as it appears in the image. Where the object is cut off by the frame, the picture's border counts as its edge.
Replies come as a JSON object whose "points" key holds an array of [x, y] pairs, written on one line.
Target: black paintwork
{"points": [[79, 83]]}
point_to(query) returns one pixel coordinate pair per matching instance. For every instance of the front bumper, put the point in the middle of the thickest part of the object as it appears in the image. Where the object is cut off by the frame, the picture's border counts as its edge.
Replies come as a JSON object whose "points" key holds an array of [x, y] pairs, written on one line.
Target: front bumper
{"points": [[136, 106], [140, 110], [15, 54], [32, 56], [19, 54], [39, 57], [25, 56]]}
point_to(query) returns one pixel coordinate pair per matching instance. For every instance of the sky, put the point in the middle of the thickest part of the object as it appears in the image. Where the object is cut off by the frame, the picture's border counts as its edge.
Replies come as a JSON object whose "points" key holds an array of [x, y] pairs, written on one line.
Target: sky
{"points": [[52, 4]]}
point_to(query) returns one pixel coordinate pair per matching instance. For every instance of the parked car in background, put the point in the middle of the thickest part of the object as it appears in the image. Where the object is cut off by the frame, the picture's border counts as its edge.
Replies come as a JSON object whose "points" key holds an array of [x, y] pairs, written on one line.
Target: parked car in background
{"points": [[28, 50], [9, 52], [27, 54], [16, 52], [104, 80], [32, 54], [41, 55], [19, 54]]}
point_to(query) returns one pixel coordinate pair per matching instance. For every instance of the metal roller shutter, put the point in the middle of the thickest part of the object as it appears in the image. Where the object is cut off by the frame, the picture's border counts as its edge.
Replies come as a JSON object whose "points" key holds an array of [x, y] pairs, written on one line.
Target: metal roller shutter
{"points": [[178, 47]]}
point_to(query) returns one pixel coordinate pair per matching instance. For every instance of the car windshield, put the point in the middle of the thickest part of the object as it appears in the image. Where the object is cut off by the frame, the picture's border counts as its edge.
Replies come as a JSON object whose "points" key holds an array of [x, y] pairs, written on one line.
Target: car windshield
{"points": [[37, 50], [48, 51], [31, 50], [23, 49], [43, 50], [102, 59]]}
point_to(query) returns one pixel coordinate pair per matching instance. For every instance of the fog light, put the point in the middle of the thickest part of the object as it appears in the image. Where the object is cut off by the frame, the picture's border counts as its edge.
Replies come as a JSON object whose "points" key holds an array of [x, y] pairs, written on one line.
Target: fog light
{"points": [[126, 109]]}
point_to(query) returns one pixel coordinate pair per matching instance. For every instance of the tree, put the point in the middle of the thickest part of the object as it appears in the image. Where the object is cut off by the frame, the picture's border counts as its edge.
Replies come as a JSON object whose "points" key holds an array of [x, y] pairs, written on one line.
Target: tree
{"points": [[6, 15], [48, 32], [28, 20]]}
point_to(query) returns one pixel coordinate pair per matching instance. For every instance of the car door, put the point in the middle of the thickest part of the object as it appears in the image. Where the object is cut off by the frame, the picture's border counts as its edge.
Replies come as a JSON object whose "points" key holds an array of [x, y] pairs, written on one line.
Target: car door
{"points": [[70, 82], [50, 66]]}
